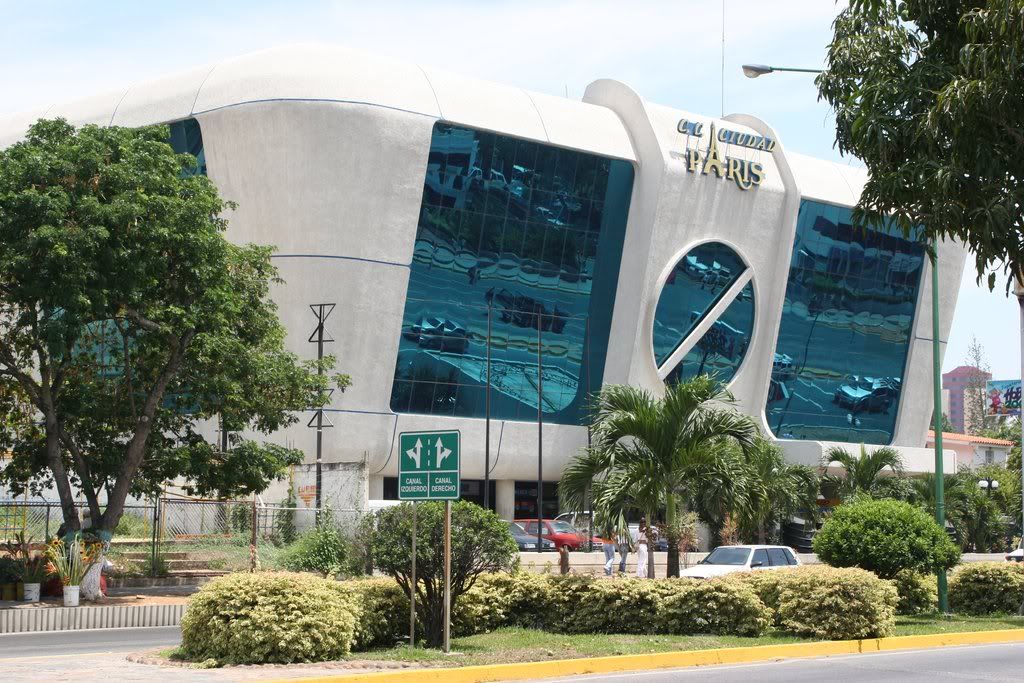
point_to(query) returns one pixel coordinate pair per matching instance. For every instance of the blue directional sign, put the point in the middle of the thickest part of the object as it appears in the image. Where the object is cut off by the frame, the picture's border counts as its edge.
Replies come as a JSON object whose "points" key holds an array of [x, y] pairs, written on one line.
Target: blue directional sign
{"points": [[428, 466]]}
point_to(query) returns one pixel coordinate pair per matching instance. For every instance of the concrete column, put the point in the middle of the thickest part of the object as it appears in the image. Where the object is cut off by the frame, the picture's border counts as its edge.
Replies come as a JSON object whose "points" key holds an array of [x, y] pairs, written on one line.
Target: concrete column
{"points": [[376, 488], [505, 498]]}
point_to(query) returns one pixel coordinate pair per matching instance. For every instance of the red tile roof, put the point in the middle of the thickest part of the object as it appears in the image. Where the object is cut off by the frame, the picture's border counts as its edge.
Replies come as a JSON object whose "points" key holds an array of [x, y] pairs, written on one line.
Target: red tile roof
{"points": [[967, 438]]}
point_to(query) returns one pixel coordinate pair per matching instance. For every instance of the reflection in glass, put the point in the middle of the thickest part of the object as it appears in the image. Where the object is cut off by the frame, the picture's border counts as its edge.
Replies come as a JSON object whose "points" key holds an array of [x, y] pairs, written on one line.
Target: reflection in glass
{"points": [[693, 287], [720, 350], [532, 232], [845, 331], [186, 138]]}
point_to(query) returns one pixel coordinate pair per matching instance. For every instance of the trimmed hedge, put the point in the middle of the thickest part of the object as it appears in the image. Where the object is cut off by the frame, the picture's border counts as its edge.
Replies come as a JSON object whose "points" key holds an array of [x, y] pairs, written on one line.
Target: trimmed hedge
{"points": [[836, 604], [918, 593], [987, 588], [818, 601], [384, 613], [715, 607], [270, 617]]}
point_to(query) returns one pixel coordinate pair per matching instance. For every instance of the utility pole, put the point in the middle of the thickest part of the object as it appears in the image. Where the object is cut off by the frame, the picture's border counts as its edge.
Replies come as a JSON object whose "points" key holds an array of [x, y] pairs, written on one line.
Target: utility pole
{"points": [[540, 437], [940, 495], [318, 421]]}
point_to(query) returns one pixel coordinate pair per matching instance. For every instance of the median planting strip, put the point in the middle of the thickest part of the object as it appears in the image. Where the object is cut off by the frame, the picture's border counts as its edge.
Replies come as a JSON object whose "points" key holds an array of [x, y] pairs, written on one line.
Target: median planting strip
{"points": [[672, 660]]}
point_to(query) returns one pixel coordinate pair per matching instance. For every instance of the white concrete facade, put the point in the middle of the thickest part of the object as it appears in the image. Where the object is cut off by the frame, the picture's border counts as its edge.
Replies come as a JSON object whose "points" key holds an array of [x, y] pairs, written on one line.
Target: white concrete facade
{"points": [[325, 150]]}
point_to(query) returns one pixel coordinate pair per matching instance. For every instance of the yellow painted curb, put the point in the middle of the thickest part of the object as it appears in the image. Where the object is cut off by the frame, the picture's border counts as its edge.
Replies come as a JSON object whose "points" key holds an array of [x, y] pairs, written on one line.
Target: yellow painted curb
{"points": [[670, 660]]}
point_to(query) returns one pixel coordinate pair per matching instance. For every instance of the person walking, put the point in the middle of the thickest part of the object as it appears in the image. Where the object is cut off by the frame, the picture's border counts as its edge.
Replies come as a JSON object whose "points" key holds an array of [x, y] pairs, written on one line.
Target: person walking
{"points": [[641, 549], [608, 546], [624, 542]]}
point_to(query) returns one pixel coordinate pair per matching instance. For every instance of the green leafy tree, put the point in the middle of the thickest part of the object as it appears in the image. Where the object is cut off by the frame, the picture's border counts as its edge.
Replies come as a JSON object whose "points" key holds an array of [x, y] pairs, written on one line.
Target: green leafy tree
{"points": [[775, 490], [127, 320], [929, 94], [864, 473], [646, 451], [481, 543], [886, 537]]}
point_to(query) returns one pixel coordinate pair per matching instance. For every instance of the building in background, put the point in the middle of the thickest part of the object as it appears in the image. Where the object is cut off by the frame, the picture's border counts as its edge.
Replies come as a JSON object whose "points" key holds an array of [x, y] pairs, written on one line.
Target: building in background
{"points": [[973, 451], [959, 382], [608, 240]]}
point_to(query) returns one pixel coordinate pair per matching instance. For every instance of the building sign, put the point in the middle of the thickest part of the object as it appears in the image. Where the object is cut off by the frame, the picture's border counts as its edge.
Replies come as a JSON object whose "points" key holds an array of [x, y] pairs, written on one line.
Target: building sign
{"points": [[1002, 397], [428, 467], [744, 172]]}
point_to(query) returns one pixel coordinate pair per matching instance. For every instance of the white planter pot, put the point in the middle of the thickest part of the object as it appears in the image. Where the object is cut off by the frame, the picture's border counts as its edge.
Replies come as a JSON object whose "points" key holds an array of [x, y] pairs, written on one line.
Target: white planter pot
{"points": [[71, 596], [32, 592]]}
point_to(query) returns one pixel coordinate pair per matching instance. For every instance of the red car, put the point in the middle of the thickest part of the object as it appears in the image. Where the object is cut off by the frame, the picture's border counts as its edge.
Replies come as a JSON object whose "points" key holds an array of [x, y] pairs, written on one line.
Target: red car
{"points": [[559, 532]]}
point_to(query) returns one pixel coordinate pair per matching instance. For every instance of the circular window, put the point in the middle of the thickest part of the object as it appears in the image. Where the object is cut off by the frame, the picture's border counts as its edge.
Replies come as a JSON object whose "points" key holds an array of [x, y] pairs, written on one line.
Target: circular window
{"points": [[709, 288]]}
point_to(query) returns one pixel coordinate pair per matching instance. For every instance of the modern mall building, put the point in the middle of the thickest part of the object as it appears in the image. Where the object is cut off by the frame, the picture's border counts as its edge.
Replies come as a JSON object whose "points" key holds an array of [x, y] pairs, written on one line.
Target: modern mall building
{"points": [[610, 240]]}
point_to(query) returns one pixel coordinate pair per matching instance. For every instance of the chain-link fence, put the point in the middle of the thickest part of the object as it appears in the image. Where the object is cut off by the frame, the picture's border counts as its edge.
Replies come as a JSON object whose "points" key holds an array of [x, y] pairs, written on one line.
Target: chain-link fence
{"points": [[186, 537]]}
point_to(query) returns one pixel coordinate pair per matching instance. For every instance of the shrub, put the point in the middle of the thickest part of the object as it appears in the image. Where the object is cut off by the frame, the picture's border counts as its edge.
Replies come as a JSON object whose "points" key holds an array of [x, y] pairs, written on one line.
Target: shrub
{"points": [[885, 537], [269, 618], [767, 585], [480, 543], [713, 607], [917, 592], [322, 549], [384, 613], [835, 604], [519, 598], [987, 588]]}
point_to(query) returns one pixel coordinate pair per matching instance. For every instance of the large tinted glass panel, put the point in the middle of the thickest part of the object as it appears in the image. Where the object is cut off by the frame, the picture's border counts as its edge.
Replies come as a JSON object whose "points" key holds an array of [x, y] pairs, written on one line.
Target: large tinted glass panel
{"points": [[720, 350], [695, 284], [846, 324], [186, 138], [532, 233]]}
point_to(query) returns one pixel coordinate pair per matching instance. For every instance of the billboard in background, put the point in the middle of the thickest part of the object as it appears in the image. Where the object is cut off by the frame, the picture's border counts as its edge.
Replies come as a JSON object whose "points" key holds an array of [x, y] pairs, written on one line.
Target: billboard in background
{"points": [[1002, 397]]}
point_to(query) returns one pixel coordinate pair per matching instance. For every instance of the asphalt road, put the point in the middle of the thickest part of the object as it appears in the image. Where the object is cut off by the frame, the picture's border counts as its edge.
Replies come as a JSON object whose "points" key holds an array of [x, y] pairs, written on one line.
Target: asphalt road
{"points": [[974, 662], [19, 645]]}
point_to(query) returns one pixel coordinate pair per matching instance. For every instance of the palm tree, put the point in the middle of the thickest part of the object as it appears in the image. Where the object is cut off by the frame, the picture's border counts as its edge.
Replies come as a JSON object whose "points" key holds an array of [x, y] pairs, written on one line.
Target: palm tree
{"points": [[861, 474], [645, 451], [775, 490]]}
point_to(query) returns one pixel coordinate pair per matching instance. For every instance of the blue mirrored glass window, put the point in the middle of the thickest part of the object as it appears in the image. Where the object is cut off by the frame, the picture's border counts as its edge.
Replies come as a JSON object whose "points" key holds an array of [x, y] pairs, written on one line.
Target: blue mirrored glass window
{"points": [[846, 325], [699, 281], [695, 284], [186, 138], [531, 234]]}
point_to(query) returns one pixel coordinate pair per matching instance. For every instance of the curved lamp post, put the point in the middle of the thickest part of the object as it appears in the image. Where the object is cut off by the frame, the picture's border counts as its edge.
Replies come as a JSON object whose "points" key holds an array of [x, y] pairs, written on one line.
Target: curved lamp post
{"points": [[756, 70]]}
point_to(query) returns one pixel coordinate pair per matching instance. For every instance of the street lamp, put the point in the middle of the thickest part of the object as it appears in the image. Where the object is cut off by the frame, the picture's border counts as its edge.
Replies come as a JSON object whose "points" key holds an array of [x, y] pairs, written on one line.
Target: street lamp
{"points": [[988, 485], [756, 70], [1018, 290]]}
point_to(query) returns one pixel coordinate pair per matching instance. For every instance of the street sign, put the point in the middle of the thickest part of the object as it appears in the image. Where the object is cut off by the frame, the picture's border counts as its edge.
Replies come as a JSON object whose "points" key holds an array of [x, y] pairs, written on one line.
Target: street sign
{"points": [[428, 465]]}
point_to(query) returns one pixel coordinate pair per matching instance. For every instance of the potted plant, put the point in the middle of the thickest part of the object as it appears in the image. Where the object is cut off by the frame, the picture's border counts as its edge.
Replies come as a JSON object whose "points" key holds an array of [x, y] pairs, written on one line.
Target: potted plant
{"points": [[10, 571], [70, 562], [33, 573]]}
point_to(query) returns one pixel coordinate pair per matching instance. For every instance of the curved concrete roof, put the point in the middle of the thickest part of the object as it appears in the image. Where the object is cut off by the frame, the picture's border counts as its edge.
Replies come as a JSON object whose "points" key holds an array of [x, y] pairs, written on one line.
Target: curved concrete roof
{"points": [[335, 74]]}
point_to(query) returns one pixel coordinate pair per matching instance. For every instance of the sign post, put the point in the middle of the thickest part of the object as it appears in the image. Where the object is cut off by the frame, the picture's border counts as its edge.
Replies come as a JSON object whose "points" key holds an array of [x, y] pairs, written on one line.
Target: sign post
{"points": [[429, 469]]}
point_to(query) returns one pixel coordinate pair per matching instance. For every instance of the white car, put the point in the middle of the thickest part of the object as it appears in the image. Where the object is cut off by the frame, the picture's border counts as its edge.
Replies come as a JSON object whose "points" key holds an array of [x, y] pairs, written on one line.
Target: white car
{"points": [[729, 559]]}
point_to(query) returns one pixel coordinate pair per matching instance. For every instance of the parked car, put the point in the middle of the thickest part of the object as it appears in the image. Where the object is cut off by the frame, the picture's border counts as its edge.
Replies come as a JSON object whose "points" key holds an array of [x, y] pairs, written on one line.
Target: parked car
{"points": [[525, 541], [558, 532], [868, 395], [581, 522], [729, 559], [440, 334]]}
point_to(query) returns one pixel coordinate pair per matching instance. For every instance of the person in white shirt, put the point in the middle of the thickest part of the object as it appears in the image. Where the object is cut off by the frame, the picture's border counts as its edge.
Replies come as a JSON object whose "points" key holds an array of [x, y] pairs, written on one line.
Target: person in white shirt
{"points": [[641, 549]]}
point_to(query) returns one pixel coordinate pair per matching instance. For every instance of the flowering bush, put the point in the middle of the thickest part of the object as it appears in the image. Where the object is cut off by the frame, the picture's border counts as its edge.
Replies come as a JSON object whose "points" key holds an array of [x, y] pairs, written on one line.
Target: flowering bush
{"points": [[987, 588], [269, 617]]}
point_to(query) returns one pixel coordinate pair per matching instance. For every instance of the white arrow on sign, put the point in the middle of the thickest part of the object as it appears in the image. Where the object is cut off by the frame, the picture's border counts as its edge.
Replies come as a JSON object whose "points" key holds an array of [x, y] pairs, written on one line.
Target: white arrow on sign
{"points": [[442, 452], [414, 453]]}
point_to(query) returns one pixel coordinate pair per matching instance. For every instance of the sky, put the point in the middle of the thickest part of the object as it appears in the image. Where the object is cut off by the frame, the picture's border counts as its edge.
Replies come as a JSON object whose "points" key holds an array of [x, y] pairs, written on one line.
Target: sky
{"points": [[671, 53]]}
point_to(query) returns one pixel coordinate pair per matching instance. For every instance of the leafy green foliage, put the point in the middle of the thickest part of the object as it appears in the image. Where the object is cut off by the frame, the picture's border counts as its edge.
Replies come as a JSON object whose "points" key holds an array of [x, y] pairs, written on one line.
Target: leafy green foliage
{"points": [[384, 615], [775, 489], [270, 618], [646, 451], [929, 95], [836, 604], [481, 543], [322, 549], [863, 474], [987, 588], [128, 320], [918, 593], [715, 607], [884, 536]]}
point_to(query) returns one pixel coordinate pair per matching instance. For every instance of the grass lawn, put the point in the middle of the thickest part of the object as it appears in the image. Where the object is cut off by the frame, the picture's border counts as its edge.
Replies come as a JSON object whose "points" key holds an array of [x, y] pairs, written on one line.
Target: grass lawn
{"points": [[525, 645]]}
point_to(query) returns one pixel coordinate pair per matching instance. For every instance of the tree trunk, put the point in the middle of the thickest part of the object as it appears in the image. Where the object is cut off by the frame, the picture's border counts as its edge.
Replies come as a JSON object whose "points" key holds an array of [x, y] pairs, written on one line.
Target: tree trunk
{"points": [[90, 589], [762, 536], [673, 539]]}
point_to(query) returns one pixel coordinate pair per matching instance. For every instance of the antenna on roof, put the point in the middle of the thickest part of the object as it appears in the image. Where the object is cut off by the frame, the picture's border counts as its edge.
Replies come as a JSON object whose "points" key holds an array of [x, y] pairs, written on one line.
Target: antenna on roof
{"points": [[723, 59]]}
